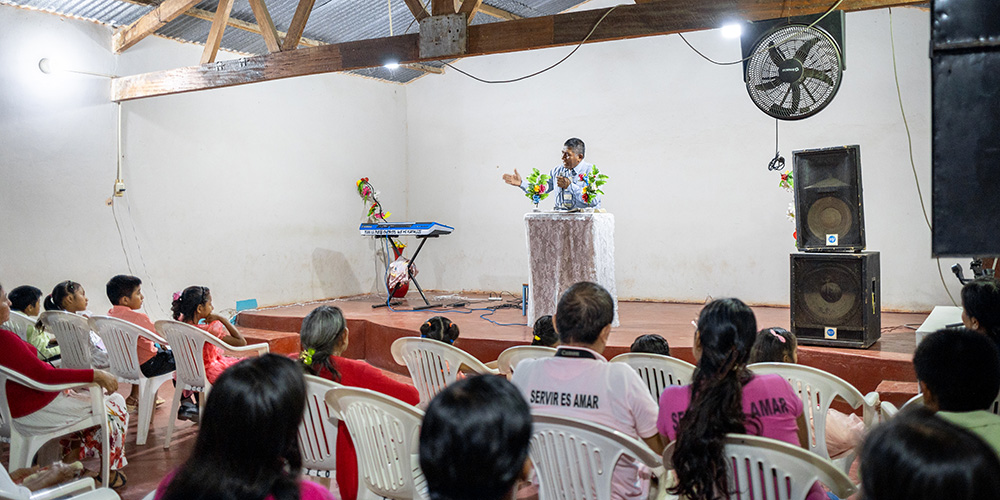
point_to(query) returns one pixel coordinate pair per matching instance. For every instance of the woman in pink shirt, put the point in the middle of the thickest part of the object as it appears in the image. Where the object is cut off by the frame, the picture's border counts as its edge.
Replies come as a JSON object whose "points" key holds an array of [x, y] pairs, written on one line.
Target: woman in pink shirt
{"points": [[724, 397]]}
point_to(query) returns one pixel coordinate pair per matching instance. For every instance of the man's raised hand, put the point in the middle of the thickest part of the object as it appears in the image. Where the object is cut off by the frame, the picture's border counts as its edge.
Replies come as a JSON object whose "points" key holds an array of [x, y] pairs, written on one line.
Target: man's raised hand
{"points": [[512, 179]]}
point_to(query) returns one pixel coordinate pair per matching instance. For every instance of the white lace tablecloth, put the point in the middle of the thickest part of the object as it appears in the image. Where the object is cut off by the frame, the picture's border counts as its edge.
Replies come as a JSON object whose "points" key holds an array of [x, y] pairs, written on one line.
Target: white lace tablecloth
{"points": [[564, 248]]}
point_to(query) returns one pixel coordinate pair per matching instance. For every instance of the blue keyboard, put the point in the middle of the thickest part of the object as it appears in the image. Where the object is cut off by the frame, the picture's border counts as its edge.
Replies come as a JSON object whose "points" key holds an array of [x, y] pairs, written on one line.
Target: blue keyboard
{"points": [[404, 229]]}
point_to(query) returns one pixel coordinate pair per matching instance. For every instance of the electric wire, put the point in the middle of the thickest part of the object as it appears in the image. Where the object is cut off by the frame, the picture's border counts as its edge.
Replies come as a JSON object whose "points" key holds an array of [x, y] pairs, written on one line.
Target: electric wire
{"points": [[557, 63]]}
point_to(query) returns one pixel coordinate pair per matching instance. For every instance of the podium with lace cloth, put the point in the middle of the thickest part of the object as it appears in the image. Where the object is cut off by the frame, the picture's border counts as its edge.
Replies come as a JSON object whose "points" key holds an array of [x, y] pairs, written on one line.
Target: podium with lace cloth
{"points": [[564, 248]]}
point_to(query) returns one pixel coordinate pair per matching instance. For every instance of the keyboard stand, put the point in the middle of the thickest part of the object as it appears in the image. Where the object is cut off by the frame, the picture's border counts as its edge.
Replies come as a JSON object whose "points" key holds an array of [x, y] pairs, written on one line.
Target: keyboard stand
{"points": [[409, 273]]}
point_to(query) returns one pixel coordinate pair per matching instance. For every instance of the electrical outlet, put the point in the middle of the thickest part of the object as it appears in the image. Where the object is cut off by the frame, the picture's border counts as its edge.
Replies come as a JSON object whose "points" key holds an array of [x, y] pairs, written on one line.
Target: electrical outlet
{"points": [[119, 188]]}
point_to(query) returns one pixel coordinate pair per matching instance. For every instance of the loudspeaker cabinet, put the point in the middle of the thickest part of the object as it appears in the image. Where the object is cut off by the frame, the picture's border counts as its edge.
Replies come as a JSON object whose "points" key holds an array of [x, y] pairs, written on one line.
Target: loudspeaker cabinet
{"points": [[829, 209], [836, 299]]}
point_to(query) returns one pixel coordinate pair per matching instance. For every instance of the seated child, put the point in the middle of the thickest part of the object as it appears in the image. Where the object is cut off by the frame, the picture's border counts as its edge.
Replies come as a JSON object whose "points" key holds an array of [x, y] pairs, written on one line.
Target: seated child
{"points": [[777, 345], [981, 307], [195, 304], [28, 301], [544, 332], [70, 296], [126, 298], [652, 344], [959, 374], [439, 328]]}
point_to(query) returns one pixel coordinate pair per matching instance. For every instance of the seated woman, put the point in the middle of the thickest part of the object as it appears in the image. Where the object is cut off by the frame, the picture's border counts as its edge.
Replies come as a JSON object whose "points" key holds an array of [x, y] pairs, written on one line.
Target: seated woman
{"points": [[724, 397], [247, 446], [324, 338], [37, 412], [920, 456]]}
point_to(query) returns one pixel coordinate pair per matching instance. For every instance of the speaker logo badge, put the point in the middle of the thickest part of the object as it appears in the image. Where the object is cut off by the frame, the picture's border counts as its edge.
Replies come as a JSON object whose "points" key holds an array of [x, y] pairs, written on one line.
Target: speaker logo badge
{"points": [[832, 240], [830, 333]]}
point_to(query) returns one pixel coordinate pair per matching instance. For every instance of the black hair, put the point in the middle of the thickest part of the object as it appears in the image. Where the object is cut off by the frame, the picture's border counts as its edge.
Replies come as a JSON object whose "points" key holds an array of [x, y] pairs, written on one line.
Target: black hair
{"points": [[960, 367], [247, 445], [773, 345], [24, 297], [122, 286], [981, 300], [544, 332], [651, 343], [584, 310], [576, 146], [920, 456], [320, 334], [726, 331], [54, 301], [474, 439], [185, 306], [440, 328]]}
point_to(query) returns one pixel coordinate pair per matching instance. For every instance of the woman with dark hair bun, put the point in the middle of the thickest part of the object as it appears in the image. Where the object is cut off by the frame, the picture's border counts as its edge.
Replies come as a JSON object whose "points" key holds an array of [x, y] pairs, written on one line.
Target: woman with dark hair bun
{"points": [[724, 397], [247, 446], [919, 456], [441, 329]]}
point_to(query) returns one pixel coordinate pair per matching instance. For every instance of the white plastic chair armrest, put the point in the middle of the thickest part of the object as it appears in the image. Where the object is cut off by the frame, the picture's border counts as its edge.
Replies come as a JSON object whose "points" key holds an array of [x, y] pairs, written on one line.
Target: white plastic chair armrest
{"points": [[61, 490], [871, 408], [246, 350]]}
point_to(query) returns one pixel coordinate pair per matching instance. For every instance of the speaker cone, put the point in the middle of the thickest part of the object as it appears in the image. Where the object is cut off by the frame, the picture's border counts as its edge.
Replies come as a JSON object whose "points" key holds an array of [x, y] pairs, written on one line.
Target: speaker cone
{"points": [[829, 215], [830, 294]]}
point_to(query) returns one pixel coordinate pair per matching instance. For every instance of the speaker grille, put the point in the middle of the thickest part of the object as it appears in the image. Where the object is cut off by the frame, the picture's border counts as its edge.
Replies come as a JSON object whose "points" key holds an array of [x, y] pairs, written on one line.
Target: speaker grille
{"points": [[828, 200], [835, 298]]}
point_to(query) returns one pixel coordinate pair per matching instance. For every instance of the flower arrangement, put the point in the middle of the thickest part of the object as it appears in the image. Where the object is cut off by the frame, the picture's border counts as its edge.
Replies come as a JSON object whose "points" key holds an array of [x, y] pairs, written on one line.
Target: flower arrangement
{"points": [[368, 195], [592, 182], [787, 182], [537, 184]]}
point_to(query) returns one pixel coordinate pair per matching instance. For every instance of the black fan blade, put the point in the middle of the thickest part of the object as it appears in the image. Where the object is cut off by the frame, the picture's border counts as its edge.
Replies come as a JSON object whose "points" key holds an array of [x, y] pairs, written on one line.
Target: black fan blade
{"points": [[803, 51], [779, 111], [817, 74], [796, 94], [771, 83], [776, 56]]}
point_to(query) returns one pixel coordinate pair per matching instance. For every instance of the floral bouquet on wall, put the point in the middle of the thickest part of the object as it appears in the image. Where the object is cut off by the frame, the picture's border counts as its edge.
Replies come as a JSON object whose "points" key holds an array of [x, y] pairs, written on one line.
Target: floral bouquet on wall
{"points": [[592, 182], [787, 182], [537, 184], [368, 195]]}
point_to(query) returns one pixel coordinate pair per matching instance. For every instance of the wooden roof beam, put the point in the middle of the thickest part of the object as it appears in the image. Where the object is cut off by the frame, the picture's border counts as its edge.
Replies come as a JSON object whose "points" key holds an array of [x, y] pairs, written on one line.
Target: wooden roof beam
{"points": [[219, 24], [266, 25], [627, 21], [144, 26], [298, 24], [492, 11]]}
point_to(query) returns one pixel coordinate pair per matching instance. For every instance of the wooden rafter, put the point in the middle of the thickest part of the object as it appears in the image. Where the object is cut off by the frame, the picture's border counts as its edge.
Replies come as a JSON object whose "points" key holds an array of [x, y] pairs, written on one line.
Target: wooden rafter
{"points": [[266, 25], [245, 26], [627, 21], [492, 11], [298, 24], [147, 24], [470, 8], [425, 68], [443, 7], [219, 24], [417, 9]]}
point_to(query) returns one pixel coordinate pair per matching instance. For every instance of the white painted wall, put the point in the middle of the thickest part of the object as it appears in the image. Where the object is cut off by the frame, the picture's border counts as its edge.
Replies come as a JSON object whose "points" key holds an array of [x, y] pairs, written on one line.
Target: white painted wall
{"points": [[697, 211], [248, 190]]}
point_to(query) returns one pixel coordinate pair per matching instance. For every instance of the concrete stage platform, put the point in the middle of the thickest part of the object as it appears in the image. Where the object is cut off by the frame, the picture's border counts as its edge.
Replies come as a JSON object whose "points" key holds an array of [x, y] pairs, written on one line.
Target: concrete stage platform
{"points": [[374, 330]]}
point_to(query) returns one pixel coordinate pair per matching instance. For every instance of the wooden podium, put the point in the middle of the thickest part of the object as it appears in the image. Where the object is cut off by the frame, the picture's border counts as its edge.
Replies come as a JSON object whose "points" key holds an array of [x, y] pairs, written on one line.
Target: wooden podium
{"points": [[565, 248]]}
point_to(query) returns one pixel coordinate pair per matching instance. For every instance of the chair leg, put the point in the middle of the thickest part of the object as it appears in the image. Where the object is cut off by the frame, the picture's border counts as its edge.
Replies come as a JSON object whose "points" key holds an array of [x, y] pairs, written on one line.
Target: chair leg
{"points": [[173, 414], [147, 403], [18, 450]]}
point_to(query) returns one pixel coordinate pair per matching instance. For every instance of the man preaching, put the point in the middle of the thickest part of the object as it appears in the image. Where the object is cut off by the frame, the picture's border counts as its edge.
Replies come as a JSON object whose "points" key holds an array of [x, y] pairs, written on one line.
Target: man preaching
{"points": [[564, 180]]}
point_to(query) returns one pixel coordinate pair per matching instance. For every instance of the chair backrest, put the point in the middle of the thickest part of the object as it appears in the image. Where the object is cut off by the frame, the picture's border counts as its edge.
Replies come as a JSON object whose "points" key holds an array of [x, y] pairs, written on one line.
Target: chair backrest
{"points": [[72, 332], [511, 356], [657, 371], [433, 364], [188, 343], [817, 390], [19, 324], [120, 338], [318, 431], [386, 434], [575, 459]]}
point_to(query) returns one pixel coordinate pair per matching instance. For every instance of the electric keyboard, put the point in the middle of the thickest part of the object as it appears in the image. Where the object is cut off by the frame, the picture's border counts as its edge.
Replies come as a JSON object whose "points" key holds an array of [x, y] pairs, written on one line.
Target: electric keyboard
{"points": [[429, 229]]}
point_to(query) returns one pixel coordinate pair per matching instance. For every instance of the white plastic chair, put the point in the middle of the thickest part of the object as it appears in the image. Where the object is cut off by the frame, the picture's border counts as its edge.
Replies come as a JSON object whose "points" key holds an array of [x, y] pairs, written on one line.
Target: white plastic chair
{"points": [[188, 343], [386, 435], [68, 490], [318, 431], [23, 446], [120, 338], [768, 469], [575, 459], [433, 364], [817, 390], [73, 335], [657, 371], [19, 324], [511, 356]]}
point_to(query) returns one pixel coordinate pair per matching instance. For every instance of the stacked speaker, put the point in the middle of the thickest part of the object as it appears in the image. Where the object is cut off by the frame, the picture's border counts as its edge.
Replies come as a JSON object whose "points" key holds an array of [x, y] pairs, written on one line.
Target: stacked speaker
{"points": [[835, 290]]}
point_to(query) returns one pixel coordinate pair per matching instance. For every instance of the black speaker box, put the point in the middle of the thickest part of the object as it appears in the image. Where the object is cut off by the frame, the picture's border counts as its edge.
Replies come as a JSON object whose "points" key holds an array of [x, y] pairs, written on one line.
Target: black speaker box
{"points": [[829, 214], [836, 299], [965, 76], [832, 24]]}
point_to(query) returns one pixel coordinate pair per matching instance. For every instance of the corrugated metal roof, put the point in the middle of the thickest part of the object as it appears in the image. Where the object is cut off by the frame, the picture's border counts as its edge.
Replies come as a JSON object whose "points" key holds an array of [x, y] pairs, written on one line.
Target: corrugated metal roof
{"points": [[331, 21]]}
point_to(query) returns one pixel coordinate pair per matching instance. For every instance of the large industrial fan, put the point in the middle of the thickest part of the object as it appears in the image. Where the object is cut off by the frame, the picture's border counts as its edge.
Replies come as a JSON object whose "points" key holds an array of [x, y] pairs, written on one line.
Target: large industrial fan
{"points": [[793, 66]]}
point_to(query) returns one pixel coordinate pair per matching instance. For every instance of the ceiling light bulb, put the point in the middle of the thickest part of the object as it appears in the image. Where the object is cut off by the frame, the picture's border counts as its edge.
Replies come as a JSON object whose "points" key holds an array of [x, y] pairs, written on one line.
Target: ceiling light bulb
{"points": [[733, 30], [391, 65], [47, 66]]}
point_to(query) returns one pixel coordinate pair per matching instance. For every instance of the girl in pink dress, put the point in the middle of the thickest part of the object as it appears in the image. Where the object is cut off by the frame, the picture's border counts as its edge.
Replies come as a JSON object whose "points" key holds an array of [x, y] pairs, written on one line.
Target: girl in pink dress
{"points": [[195, 304]]}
